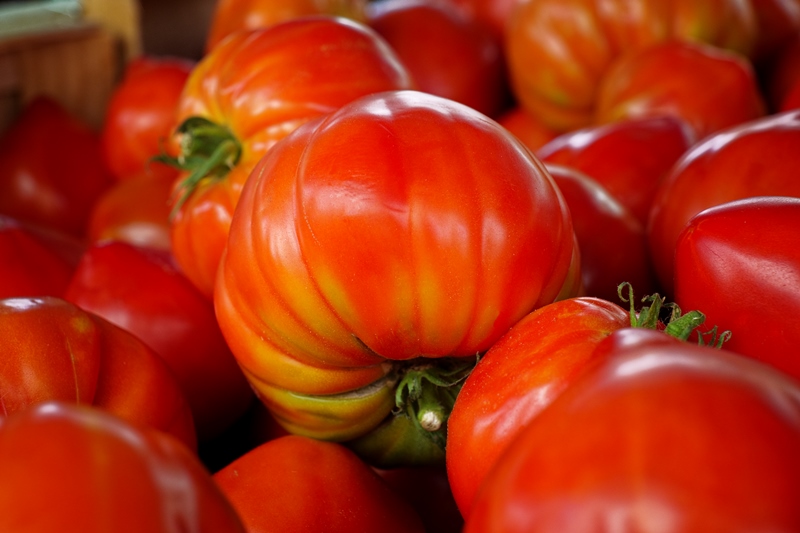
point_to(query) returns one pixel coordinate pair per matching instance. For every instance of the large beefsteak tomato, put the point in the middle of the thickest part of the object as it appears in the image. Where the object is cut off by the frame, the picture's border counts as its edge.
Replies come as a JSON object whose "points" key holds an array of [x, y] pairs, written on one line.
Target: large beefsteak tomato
{"points": [[244, 96], [378, 248]]}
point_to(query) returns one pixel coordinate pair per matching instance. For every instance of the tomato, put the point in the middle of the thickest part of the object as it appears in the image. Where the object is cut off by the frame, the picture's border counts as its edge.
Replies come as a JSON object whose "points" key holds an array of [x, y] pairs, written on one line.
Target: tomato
{"points": [[56, 351], [708, 87], [78, 469], [778, 24], [629, 158], [558, 50], [782, 77], [526, 128], [134, 210], [740, 263], [661, 435], [612, 242], [52, 171], [295, 483], [30, 266], [347, 280], [230, 16], [445, 52], [752, 159], [142, 291], [247, 94], [492, 14], [140, 116]]}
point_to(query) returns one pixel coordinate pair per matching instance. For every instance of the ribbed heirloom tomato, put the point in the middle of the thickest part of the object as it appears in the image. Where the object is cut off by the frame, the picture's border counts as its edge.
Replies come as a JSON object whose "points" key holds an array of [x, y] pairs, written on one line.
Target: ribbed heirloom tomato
{"points": [[374, 253]]}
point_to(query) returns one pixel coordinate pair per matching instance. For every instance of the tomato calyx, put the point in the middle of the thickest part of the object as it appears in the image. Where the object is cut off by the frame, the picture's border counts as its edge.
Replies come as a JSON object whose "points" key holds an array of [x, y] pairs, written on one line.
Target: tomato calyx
{"points": [[207, 151], [658, 314], [426, 392]]}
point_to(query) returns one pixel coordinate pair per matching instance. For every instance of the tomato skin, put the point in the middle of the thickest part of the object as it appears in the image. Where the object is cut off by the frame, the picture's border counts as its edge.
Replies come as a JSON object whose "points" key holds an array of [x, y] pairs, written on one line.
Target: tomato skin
{"points": [[142, 291], [134, 210], [58, 352], [52, 170], [628, 157], [140, 116], [778, 24], [241, 15], [612, 242], [663, 435], [295, 483], [558, 50], [78, 469], [446, 53], [752, 159], [737, 262], [544, 352], [709, 88], [782, 77], [29, 266], [526, 128], [261, 85], [395, 260]]}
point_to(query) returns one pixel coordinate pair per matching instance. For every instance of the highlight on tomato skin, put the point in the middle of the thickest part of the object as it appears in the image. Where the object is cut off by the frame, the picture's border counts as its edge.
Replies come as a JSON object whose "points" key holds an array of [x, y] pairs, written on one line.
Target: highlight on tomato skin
{"points": [[347, 285]]}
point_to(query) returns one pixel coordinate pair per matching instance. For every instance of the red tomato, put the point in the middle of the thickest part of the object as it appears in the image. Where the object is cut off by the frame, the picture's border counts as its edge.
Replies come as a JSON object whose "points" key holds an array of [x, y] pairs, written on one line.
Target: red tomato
{"points": [[526, 128], [295, 483], [662, 436], [141, 114], [436, 233], [558, 50], [80, 470], [612, 242], [236, 15], [254, 90], [446, 53], [782, 77], [143, 292], [56, 351], [778, 24], [134, 210], [544, 352], [740, 263], [492, 14], [753, 159], [629, 158], [30, 266], [707, 87], [52, 171]]}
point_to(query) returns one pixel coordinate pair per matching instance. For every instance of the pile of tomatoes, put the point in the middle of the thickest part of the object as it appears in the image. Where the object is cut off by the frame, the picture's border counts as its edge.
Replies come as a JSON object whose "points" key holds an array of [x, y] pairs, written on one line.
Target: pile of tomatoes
{"points": [[414, 265]]}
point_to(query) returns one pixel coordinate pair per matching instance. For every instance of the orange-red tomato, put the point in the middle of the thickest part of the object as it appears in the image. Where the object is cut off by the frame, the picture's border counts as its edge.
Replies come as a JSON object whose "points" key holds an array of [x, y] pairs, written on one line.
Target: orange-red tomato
{"points": [[57, 351], [558, 50], [241, 15], [134, 210], [52, 170], [447, 53], [707, 87], [295, 483], [526, 128], [757, 158], [402, 232], [77, 469], [248, 93], [140, 116], [662, 435]]}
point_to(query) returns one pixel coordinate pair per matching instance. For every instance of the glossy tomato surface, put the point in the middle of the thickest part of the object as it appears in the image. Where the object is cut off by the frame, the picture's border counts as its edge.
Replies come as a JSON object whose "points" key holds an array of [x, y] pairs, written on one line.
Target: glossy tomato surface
{"points": [[55, 351], [295, 483], [753, 159], [446, 53], [740, 263], [141, 115], [250, 92], [52, 171], [523, 373], [77, 469], [558, 50], [709, 88], [663, 436], [527, 128], [142, 291], [415, 229]]}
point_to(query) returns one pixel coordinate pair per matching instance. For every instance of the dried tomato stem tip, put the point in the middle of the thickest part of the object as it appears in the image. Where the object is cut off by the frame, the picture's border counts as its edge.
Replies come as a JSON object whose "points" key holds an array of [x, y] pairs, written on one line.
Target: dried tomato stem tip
{"points": [[207, 150], [427, 392]]}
